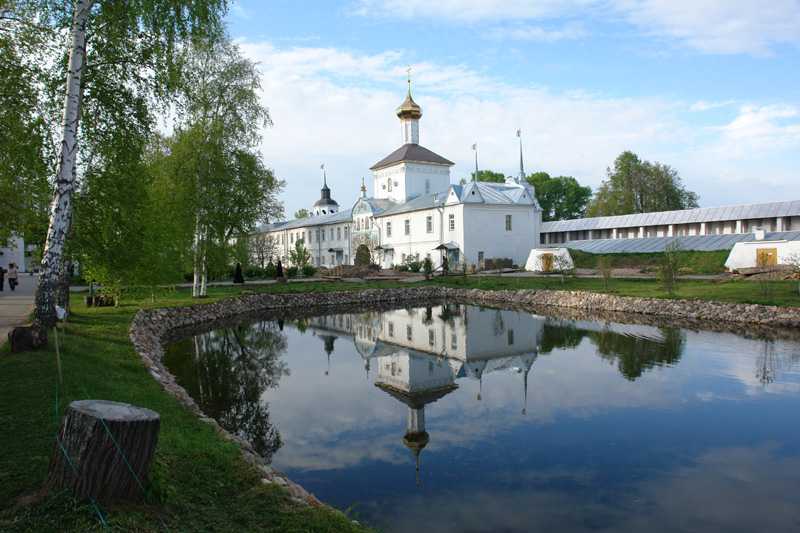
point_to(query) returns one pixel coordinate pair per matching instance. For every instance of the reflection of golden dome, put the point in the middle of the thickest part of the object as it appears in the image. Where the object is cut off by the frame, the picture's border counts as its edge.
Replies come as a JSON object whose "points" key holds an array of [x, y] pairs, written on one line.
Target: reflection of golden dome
{"points": [[416, 441], [409, 108]]}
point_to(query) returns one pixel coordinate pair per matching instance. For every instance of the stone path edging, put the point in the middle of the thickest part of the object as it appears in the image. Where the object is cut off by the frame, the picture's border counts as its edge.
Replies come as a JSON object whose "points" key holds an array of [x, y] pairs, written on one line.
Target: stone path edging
{"points": [[151, 329]]}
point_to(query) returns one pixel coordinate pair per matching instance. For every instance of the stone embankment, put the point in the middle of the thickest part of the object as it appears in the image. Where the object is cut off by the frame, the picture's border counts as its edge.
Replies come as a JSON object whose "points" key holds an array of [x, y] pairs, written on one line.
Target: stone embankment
{"points": [[152, 329]]}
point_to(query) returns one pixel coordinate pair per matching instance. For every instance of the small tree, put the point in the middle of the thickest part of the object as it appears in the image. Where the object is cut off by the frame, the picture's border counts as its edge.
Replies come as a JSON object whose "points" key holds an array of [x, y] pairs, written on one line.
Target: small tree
{"points": [[669, 267], [427, 267], [793, 260], [263, 247], [563, 265], [300, 256], [605, 270], [363, 257]]}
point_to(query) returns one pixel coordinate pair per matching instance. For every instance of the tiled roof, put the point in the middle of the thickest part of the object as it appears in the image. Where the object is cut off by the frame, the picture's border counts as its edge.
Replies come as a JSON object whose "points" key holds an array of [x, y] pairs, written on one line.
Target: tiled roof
{"points": [[685, 216]]}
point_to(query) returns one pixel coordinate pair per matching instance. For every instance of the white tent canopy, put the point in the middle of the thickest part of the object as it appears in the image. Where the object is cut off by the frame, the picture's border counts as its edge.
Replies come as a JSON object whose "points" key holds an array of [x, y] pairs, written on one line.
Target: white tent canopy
{"points": [[549, 260]]}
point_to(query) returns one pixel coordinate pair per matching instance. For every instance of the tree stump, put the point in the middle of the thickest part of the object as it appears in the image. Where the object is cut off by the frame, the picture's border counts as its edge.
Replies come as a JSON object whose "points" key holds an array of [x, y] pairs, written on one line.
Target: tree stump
{"points": [[100, 466]]}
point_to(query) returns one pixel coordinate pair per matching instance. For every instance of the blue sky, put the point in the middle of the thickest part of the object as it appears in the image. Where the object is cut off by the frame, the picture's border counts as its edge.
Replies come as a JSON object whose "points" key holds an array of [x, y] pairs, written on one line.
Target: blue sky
{"points": [[710, 87]]}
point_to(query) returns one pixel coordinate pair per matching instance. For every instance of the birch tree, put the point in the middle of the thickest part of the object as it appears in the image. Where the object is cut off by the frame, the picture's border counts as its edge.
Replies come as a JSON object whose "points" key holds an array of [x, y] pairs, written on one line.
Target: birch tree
{"points": [[136, 42], [219, 130]]}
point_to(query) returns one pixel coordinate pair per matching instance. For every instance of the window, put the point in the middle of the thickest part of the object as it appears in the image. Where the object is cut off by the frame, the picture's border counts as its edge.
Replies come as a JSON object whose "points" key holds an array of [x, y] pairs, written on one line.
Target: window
{"points": [[323, 234], [508, 222], [510, 337], [291, 238], [431, 337], [389, 184], [391, 329], [408, 226], [408, 333], [403, 258], [453, 341], [339, 234], [429, 224], [346, 231], [331, 233], [427, 186], [333, 259], [451, 222], [388, 229]]}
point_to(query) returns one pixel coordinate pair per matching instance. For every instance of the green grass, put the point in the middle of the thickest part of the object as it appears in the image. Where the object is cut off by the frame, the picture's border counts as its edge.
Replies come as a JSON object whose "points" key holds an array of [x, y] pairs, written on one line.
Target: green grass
{"points": [[199, 482], [692, 262]]}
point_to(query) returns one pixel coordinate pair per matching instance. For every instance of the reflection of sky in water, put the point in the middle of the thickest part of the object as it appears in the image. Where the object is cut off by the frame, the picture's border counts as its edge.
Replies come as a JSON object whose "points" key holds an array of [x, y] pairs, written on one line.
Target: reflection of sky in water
{"points": [[625, 427]]}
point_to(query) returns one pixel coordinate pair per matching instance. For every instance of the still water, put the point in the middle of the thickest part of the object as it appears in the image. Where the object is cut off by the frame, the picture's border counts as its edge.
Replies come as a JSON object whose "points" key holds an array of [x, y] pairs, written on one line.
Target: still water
{"points": [[458, 418]]}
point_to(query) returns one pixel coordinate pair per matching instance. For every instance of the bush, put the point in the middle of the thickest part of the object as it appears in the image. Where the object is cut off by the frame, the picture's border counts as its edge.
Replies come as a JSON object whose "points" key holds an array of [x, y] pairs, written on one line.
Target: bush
{"points": [[427, 267], [363, 257], [270, 270], [414, 266], [309, 271], [292, 271]]}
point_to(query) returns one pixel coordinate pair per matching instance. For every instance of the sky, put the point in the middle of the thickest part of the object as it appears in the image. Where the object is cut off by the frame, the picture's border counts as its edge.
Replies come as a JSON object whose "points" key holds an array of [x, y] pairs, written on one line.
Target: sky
{"points": [[709, 87]]}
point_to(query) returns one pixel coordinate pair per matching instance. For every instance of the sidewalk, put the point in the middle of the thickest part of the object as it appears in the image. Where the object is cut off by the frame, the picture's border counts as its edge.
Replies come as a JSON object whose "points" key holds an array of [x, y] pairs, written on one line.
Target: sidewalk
{"points": [[16, 307]]}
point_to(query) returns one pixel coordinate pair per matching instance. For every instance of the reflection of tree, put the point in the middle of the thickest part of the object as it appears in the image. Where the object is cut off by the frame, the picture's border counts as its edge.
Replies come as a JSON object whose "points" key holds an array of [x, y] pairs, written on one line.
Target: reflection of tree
{"points": [[634, 355], [450, 312], [767, 364], [231, 370]]}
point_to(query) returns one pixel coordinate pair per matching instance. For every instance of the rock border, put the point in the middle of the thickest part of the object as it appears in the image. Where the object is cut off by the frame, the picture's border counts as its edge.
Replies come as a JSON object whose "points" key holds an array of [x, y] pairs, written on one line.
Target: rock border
{"points": [[152, 329]]}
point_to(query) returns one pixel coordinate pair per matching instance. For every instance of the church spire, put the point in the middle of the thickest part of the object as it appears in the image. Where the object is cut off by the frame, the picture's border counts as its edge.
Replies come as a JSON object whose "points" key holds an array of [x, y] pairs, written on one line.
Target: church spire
{"points": [[363, 188], [409, 114], [521, 165]]}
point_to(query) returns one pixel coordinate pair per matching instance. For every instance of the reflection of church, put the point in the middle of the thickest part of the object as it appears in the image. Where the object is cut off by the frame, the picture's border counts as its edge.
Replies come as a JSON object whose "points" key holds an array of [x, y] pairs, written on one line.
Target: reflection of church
{"points": [[419, 354]]}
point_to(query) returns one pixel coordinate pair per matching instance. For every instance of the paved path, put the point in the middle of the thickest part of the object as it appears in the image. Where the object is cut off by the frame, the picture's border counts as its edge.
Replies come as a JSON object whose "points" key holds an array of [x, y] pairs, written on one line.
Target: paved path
{"points": [[16, 307]]}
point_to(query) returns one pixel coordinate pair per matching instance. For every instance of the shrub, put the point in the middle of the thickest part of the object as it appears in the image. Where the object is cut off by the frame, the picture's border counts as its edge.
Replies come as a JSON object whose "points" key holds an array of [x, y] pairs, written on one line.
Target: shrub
{"points": [[270, 270], [363, 257], [427, 267], [604, 269], [291, 272], [309, 271], [669, 267], [414, 266], [496, 263]]}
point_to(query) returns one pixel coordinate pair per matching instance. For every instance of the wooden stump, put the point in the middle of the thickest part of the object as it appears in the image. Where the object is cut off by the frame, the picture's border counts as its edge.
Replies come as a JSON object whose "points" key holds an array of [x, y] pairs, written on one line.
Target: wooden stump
{"points": [[101, 466]]}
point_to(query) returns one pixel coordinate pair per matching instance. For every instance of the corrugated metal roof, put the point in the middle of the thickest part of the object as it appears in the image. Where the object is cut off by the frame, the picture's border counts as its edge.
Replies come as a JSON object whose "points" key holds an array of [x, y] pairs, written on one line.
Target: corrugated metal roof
{"points": [[704, 243], [412, 153], [686, 216], [322, 220]]}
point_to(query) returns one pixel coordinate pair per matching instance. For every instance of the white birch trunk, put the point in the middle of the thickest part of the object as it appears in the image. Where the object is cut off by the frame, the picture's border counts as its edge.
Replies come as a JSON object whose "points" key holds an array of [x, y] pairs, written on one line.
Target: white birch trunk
{"points": [[196, 260], [61, 207]]}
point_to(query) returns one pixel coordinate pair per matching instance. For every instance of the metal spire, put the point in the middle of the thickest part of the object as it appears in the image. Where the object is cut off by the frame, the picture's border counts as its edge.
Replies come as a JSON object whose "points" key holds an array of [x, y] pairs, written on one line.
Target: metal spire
{"points": [[475, 149], [521, 165], [363, 188], [324, 175], [408, 74]]}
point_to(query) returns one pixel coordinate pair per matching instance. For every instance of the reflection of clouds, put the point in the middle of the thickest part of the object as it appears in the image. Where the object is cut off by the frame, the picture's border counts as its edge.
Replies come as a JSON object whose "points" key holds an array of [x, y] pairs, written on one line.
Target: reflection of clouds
{"points": [[342, 420], [727, 489]]}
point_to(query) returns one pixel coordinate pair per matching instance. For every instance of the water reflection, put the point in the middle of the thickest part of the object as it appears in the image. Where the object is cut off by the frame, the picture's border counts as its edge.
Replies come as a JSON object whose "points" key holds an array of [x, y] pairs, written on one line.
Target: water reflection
{"points": [[228, 372], [450, 415]]}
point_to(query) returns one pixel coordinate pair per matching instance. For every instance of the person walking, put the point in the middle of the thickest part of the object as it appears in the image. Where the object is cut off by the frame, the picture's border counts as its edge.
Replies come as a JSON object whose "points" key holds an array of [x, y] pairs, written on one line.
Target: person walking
{"points": [[13, 276]]}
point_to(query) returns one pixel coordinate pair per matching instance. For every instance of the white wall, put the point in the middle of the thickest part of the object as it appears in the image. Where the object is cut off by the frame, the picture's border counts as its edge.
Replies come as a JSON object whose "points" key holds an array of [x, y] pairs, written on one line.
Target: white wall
{"points": [[744, 254], [13, 252], [484, 230], [419, 241], [410, 180]]}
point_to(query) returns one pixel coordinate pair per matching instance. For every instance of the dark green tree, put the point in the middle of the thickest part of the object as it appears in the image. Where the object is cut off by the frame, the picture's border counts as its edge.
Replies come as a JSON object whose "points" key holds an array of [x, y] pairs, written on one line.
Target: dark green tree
{"points": [[489, 175], [637, 186], [561, 197], [301, 213]]}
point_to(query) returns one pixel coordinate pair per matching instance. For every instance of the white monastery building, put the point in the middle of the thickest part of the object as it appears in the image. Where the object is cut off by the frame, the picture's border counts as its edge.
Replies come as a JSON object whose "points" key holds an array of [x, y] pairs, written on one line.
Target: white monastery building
{"points": [[416, 212]]}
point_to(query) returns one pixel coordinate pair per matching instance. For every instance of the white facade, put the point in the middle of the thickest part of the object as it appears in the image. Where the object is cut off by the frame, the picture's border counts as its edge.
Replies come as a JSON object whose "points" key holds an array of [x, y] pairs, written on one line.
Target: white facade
{"points": [[746, 254], [13, 252], [416, 212]]}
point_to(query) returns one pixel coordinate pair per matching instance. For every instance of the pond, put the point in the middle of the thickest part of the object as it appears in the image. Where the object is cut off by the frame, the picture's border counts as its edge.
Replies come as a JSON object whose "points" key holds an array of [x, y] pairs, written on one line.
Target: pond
{"points": [[454, 418]]}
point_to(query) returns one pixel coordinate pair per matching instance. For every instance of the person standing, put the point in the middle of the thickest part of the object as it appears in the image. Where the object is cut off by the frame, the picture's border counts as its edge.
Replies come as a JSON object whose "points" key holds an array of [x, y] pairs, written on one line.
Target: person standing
{"points": [[13, 276], [2, 278]]}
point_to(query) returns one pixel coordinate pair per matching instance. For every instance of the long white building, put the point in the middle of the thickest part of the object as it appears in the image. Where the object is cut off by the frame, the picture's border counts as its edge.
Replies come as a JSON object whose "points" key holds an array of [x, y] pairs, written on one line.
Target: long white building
{"points": [[416, 212]]}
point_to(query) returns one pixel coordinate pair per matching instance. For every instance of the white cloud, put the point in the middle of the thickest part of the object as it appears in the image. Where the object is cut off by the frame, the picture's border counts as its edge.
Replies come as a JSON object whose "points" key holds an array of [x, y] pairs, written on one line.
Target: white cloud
{"points": [[704, 105], [712, 26], [337, 106], [570, 31], [719, 26], [470, 10]]}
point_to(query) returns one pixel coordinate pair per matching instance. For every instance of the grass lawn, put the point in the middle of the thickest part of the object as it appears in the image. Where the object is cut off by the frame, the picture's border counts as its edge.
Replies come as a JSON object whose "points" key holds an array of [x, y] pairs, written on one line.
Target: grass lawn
{"points": [[693, 262], [199, 482]]}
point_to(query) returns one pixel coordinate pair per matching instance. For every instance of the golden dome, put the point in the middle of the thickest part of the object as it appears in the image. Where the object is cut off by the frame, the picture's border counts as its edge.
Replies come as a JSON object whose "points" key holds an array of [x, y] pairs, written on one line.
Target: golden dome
{"points": [[409, 108]]}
